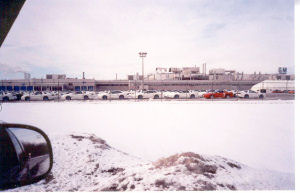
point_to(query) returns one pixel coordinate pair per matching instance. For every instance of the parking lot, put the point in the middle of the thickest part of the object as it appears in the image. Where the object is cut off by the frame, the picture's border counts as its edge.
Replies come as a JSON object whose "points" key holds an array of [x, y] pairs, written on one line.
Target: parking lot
{"points": [[204, 95]]}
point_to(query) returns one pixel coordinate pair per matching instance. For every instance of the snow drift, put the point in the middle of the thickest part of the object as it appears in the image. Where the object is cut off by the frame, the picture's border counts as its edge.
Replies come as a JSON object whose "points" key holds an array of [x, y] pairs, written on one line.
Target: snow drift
{"points": [[85, 162]]}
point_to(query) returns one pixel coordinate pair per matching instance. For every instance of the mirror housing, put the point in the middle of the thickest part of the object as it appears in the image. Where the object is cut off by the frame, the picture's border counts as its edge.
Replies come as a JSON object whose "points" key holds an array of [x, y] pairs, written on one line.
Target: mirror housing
{"points": [[25, 155]]}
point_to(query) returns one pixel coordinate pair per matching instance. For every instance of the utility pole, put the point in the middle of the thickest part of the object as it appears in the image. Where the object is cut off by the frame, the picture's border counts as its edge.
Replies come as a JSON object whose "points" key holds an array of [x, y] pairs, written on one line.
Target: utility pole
{"points": [[143, 55], [83, 78]]}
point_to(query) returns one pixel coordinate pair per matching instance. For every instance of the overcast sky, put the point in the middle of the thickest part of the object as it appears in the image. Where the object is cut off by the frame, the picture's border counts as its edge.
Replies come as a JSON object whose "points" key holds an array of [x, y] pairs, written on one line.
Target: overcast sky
{"points": [[103, 37]]}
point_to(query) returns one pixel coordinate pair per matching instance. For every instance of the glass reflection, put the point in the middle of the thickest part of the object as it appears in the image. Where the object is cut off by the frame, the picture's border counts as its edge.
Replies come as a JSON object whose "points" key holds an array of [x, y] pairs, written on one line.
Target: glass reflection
{"points": [[36, 159], [33, 142]]}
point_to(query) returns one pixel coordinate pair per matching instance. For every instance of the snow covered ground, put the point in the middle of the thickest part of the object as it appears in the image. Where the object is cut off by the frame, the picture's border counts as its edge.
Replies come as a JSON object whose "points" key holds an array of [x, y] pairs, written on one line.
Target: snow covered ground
{"points": [[84, 162], [259, 134]]}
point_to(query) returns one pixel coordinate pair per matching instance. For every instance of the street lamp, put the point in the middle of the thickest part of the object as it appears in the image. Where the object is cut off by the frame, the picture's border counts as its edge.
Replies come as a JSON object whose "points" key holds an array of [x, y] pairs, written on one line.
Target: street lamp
{"points": [[143, 55]]}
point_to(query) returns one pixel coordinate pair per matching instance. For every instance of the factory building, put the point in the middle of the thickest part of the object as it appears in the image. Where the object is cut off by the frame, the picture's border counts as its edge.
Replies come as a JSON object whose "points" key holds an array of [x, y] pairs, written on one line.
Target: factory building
{"points": [[216, 74], [185, 73], [52, 82], [163, 79], [232, 75], [75, 84]]}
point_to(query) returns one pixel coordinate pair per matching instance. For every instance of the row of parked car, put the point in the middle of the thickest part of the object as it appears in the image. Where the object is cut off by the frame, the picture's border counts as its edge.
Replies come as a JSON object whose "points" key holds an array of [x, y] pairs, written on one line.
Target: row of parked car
{"points": [[130, 94]]}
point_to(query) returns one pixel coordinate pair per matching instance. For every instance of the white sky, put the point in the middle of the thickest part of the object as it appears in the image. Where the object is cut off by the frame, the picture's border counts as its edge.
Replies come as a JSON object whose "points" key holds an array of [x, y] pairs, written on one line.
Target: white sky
{"points": [[103, 37]]}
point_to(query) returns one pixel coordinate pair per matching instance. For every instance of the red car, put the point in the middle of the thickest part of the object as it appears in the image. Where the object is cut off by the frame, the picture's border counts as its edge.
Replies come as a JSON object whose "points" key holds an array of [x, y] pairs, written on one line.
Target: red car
{"points": [[218, 94], [277, 91], [291, 92]]}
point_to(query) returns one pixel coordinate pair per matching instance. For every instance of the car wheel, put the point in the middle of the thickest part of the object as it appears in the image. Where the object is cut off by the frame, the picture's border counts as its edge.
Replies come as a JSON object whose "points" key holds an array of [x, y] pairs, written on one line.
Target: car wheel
{"points": [[45, 98], [27, 98], [156, 97], [121, 97], [140, 97], [227, 96], [176, 97], [68, 98], [192, 96], [211, 96], [261, 96], [104, 97], [86, 97], [246, 96], [6, 99]]}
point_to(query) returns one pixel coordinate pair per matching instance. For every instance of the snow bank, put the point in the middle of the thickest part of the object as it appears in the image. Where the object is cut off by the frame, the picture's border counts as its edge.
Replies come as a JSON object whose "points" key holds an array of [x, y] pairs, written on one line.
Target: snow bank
{"points": [[84, 162]]}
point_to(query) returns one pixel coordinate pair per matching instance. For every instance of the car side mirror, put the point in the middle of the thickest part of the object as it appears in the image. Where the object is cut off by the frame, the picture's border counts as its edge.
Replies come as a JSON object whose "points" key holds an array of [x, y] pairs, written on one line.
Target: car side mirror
{"points": [[25, 155]]}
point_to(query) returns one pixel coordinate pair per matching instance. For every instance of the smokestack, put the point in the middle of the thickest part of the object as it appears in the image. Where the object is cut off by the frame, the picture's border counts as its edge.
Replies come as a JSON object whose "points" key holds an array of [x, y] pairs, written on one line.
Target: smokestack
{"points": [[83, 75], [204, 68]]}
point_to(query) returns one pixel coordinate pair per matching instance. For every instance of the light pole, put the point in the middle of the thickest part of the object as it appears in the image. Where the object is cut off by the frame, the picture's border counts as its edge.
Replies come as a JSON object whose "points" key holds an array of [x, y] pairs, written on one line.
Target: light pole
{"points": [[143, 55]]}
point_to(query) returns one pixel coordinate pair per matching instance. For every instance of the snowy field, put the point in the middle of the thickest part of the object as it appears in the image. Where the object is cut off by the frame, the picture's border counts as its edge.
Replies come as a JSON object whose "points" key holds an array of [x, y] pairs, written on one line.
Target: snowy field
{"points": [[87, 163], [259, 134]]}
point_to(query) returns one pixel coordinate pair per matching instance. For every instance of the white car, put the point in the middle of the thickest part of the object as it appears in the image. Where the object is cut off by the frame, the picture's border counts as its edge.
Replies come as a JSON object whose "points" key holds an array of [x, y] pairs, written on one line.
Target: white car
{"points": [[250, 94], [181, 94], [78, 95], [170, 93], [39, 96], [35, 96], [8, 96], [51, 96], [92, 95], [115, 94], [234, 92], [149, 94], [201, 93], [192, 94]]}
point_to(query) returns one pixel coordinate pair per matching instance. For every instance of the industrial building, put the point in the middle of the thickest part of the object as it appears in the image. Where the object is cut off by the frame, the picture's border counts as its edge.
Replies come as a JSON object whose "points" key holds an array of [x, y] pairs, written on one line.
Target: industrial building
{"points": [[52, 82], [215, 74], [222, 74], [174, 73], [75, 84], [163, 79]]}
